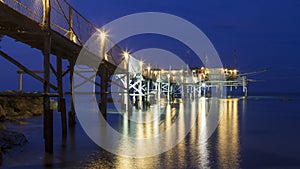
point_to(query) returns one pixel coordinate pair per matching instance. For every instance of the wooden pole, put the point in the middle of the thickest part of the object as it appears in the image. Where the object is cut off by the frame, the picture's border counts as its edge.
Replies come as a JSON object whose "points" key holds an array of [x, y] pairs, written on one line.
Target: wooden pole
{"points": [[61, 101], [103, 95], [128, 106], [140, 101], [20, 80], [71, 33], [48, 114], [71, 114], [63, 120]]}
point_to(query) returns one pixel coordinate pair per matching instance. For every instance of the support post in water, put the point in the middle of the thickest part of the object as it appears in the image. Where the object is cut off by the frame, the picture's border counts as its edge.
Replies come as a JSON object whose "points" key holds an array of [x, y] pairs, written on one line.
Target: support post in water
{"points": [[104, 86], [48, 113], [71, 114], [61, 100]]}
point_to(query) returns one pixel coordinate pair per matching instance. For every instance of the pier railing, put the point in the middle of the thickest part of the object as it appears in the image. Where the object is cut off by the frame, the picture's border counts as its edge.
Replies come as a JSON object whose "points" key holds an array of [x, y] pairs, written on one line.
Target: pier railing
{"points": [[64, 18], [66, 21]]}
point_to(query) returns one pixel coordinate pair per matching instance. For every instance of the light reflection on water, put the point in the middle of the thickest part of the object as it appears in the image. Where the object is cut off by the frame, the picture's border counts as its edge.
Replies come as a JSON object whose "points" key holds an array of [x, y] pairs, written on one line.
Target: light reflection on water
{"points": [[222, 150], [228, 135], [253, 133], [189, 152]]}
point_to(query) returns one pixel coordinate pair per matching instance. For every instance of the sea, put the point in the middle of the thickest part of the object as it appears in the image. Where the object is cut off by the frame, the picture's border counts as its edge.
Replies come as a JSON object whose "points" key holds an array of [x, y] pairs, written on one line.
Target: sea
{"points": [[261, 131]]}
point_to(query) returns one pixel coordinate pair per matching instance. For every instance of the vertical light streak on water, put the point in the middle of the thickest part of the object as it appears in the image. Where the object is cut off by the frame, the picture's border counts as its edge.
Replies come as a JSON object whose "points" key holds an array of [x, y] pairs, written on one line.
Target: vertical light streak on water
{"points": [[193, 132], [181, 147], [168, 124], [202, 129], [156, 121], [139, 125], [228, 135], [125, 124]]}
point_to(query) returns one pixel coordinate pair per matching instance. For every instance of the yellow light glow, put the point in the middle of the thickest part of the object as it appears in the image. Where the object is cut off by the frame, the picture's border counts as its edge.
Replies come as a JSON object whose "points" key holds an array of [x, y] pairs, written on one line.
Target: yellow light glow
{"points": [[126, 55], [148, 68], [235, 71], [103, 35]]}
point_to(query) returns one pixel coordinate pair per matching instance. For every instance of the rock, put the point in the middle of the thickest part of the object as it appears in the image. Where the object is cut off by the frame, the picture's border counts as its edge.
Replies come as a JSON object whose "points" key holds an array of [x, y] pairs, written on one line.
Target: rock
{"points": [[16, 108], [37, 110], [11, 139], [2, 113], [22, 122], [11, 112]]}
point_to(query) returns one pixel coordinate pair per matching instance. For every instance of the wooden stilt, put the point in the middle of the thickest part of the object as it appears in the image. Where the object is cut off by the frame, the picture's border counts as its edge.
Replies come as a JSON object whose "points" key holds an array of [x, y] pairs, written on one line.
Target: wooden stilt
{"points": [[103, 95], [48, 113], [128, 105], [20, 80], [61, 100], [71, 114]]}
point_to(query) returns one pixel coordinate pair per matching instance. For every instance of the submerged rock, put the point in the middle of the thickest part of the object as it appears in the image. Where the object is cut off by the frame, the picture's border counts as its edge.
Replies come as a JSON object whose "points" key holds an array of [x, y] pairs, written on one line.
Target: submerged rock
{"points": [[11, 139]]}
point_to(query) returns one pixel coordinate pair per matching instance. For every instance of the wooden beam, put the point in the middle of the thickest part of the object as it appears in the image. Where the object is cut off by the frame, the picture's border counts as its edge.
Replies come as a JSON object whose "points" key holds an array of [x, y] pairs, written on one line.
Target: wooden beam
{"points": [[22, 67], [53, 70], [66, 72], [21, 94], [89, 79]]}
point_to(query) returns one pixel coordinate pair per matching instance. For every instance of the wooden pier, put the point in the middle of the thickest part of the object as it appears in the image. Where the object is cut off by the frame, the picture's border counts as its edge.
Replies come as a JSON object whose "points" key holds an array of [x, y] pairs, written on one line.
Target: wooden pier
{"points": [[63, 35]]}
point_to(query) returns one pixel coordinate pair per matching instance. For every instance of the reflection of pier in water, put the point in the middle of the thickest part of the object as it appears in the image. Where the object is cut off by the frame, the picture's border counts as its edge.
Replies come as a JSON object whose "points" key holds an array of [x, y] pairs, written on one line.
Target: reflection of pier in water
{"points": [[225, 139]]}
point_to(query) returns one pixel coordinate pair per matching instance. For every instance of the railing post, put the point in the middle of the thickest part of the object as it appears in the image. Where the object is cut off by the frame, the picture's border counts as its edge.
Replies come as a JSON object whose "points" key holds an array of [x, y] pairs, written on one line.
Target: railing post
{"points": [[71, 33], [48, 114], [46, 14]]}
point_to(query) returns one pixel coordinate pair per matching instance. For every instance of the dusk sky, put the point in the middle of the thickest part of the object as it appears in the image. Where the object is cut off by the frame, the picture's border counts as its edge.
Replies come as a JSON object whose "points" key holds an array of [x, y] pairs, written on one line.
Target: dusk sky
{"points": [[265, 34]]}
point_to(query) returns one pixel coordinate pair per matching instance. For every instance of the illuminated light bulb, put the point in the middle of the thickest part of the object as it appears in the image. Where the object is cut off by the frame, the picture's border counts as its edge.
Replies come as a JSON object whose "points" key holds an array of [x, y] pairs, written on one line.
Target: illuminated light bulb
{"points": [[103, 35], [126, 55]]}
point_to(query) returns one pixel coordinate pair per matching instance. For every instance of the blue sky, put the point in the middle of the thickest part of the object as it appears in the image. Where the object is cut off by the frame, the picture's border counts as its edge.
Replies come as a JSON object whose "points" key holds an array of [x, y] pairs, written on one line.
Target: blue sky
{"points": [[265, 33]]}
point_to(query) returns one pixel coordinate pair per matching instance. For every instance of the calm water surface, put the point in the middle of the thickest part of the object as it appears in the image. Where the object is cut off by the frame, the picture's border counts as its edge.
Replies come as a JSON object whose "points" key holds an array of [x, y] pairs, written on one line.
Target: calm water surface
{"points": [[260, 132]]}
